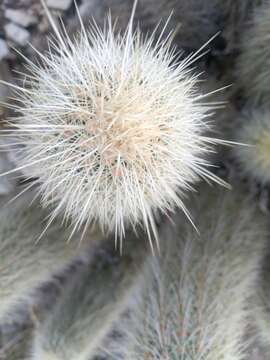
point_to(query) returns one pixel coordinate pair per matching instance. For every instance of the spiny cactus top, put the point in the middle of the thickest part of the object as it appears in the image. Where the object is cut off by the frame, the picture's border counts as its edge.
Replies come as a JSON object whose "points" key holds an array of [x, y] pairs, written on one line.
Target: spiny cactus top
{"points": [[112, 129]]}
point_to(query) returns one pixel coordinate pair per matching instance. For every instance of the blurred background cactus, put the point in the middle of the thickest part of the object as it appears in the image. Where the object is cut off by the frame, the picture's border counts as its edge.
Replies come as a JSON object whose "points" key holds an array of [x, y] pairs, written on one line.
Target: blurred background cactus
{"points": [[105, 131], [91, 303], [26, 263], [195, 301]]}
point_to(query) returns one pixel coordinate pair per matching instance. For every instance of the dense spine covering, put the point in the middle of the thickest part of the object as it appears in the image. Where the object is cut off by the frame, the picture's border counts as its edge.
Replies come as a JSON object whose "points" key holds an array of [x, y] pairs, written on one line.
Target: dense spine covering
{"points": [[25, 263], [254, 155], [111, 129], [113, 132], [90, 304], [196, 298]]}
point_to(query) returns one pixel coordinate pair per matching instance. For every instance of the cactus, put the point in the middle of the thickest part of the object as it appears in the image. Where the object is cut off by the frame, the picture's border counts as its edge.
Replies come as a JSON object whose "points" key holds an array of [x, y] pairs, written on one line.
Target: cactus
{"points": [[90, 304], [254, 157], [112, 131], [195, 302], [252, 70], [24, 263]]}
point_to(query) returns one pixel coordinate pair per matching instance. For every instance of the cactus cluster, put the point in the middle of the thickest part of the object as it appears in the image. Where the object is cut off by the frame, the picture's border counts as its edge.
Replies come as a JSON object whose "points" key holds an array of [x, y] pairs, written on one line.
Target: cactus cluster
{"points": [[109, 247]]}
